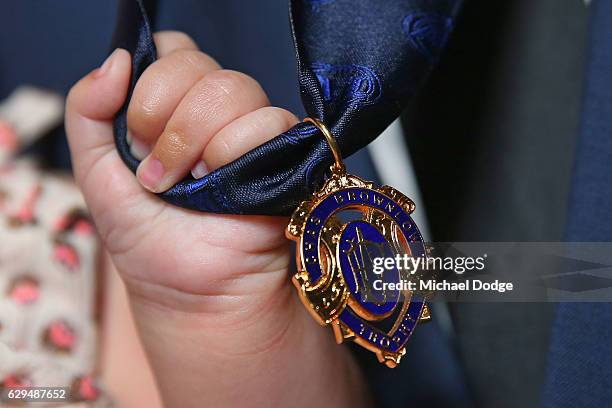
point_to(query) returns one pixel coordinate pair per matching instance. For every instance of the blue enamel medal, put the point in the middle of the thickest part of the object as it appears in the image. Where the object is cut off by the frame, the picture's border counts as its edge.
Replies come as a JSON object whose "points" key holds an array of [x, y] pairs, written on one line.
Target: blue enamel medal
{"points": [[342, 233]]}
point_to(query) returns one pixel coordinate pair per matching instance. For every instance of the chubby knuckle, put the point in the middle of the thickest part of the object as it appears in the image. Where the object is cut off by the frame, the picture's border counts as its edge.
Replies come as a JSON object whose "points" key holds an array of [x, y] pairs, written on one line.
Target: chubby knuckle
{"points": [[147, 107], [231, 82], [174, 143], [141, 115], [224, 148], [189, 59], [145, 100], [280, 115]]}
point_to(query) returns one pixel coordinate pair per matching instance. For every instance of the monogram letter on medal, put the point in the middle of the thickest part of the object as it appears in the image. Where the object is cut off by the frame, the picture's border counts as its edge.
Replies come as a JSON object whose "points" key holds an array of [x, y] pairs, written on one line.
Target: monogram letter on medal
{"points": [[339, 233]]}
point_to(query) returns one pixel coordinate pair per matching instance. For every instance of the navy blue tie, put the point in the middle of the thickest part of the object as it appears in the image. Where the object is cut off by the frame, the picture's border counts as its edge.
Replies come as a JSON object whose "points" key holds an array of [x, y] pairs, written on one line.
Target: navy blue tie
{"points": [[359, 64]]}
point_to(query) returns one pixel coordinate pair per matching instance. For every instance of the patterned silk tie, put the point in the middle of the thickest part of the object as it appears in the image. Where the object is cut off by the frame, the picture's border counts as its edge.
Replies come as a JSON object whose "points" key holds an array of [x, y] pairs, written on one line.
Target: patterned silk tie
{"points": [[359, 64]]}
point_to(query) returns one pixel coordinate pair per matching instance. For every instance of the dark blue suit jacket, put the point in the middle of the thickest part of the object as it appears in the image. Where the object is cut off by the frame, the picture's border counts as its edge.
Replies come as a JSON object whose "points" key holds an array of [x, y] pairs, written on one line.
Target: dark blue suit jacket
{"points": [[580, 357]]}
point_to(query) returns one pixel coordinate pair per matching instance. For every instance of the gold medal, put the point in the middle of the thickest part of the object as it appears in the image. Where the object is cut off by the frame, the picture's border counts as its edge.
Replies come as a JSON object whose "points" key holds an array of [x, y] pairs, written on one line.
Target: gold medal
{"points": [[342, 234]]}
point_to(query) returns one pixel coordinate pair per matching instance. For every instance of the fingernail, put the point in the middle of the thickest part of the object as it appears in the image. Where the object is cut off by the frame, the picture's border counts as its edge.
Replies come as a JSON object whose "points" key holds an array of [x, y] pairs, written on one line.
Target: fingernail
{"points": [[128, 137], [139, 149], [199, 170], [150, 173], [105, 66]]}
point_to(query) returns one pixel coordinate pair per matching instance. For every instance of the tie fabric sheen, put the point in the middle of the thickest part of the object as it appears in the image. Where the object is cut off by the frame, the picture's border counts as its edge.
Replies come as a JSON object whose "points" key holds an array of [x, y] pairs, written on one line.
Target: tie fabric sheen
{"points": [[359, 64]]}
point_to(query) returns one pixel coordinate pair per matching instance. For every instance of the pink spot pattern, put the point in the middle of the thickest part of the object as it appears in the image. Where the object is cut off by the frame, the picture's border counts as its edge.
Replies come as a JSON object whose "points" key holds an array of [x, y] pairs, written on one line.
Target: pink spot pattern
{"points": [[61, 336], [67, 255], [87, 389], [25, 291], [25, 192]]}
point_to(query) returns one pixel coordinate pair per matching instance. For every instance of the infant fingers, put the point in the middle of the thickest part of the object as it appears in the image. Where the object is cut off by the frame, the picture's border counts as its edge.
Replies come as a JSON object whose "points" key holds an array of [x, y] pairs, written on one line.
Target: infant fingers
{"points": [[162, 86], [243, 134], [219, 98]]}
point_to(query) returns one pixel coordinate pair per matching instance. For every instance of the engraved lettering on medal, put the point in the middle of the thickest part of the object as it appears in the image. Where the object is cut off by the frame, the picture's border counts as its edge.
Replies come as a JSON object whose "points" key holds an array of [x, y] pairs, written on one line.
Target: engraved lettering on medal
{"points": [[384, 342], [311, 260], [403, 329], [378, 200], [343, 231]]}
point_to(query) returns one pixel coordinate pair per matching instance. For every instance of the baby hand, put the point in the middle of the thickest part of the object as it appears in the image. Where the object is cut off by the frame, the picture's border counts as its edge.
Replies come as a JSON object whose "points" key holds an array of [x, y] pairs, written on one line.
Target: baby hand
{"points": [[211, 293]]}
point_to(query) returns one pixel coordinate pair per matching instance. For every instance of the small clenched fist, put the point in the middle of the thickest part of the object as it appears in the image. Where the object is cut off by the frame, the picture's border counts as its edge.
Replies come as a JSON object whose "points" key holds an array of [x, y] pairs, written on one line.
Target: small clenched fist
{"points": [[210, 293]]}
